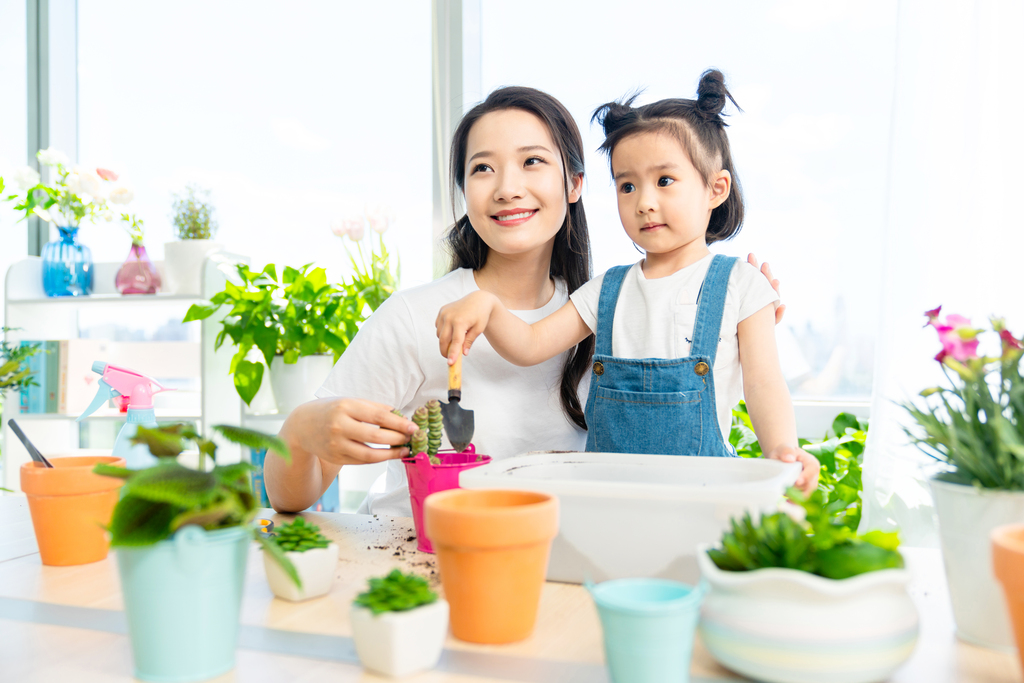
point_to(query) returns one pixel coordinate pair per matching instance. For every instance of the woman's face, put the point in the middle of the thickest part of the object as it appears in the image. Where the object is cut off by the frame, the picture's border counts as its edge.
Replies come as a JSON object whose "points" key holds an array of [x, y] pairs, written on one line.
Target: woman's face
{"points": [[515, 183]]}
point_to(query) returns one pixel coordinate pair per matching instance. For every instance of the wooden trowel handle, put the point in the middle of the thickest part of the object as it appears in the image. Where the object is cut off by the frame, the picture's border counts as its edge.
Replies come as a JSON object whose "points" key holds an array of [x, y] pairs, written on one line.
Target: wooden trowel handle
{"points": [[455, 378]]}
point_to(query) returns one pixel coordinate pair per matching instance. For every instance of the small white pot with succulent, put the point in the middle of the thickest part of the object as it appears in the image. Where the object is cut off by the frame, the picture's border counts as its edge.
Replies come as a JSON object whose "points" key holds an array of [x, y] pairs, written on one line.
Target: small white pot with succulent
{"points": [[314, 556], [399, 625], [194, 227]]}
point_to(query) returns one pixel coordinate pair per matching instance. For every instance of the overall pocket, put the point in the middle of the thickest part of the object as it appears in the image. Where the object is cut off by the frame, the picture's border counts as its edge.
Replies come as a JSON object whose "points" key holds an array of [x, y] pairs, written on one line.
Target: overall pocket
{"points": [[644, 422]]}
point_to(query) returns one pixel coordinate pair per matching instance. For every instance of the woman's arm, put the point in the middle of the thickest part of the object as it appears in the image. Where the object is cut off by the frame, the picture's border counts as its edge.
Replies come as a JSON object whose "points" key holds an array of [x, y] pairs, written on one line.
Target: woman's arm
{"points": [[767, 397], [518, 342], [324, 435]]}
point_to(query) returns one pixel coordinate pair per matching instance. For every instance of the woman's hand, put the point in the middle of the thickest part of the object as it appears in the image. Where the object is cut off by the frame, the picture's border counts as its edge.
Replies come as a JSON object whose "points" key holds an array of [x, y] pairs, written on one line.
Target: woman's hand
{"points": [[780, 308], [808, 479], [460, 323]]}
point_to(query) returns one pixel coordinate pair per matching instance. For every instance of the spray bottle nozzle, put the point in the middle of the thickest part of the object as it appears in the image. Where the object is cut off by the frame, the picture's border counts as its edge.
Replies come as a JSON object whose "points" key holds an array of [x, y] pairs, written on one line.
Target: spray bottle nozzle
{"points": [[130, 389]]}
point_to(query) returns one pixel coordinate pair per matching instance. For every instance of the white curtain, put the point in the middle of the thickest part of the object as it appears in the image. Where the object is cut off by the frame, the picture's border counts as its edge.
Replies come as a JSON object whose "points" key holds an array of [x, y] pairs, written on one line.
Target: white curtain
{"points": [[955, 222]]}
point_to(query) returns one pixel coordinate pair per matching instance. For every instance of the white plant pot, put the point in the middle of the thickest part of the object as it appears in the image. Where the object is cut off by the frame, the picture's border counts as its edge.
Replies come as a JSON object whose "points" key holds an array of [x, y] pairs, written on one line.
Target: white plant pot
{"points": [[297, 383], [183, 265], [316, 569], [967, 516], [788, 626], [400, 643]]}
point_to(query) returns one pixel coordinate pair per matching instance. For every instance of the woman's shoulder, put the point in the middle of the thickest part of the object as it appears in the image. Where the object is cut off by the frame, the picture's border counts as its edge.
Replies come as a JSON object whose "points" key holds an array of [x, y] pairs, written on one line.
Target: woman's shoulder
{"points": [[445, 289]]}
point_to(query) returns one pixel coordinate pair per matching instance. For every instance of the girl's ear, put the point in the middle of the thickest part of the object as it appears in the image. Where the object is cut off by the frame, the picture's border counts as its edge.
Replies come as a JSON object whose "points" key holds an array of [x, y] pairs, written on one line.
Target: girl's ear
{"points": [[576, 191], [721, 185]]}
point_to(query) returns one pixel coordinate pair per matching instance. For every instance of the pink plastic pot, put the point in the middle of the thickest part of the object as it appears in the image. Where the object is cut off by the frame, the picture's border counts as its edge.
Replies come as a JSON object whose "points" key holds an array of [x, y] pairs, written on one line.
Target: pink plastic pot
{"points": [[425, 479]]}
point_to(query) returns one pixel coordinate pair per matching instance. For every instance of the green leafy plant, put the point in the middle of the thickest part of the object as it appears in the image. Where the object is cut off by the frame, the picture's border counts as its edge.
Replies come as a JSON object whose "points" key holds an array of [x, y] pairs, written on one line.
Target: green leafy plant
{"points": [[396, 592], [159, 500], [298, 314], [818, 545], [14, 373], [840, 453], [298, 537], [976, 424], [193, 214], [135, 227]]}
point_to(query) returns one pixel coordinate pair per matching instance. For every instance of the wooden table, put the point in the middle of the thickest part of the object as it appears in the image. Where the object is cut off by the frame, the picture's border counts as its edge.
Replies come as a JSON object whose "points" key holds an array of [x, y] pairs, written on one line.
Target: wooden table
{"points": [[67, 623]]}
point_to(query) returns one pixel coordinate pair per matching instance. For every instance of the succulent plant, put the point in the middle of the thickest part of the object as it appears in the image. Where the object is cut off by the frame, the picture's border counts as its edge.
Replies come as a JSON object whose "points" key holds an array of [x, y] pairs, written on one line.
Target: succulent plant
{"points": [[419, 442], [434, 426], [298, 536], [396, 592]]}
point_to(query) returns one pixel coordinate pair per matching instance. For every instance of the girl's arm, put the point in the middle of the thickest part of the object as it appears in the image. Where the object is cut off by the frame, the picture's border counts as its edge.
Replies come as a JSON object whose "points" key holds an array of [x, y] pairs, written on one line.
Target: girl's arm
{"points": [[518, 342], [767, 397]]}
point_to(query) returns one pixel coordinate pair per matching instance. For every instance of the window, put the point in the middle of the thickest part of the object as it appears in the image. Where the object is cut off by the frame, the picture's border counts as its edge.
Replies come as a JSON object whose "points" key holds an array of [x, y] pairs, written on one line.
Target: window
{"points": [[13, 129]]}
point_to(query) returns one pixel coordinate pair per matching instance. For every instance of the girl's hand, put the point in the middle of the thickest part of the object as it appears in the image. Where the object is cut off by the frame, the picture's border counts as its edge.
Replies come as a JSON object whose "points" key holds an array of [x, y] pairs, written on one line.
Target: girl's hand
{"points": [[460, 323], [808, 479], [780, 308]]}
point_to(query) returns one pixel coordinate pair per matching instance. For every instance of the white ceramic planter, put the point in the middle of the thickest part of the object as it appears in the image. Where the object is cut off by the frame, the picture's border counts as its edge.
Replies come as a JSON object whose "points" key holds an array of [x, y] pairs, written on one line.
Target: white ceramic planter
{"points": [[297, 383], [400, 643], [316, 570], [788, 626], [967, 516], [183, 264]]}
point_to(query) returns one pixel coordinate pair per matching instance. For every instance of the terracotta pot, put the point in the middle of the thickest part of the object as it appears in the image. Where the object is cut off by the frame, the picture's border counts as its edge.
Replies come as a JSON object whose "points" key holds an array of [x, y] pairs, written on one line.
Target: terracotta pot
{"points": [[1008, 564], [70, 507], [492, 550]]}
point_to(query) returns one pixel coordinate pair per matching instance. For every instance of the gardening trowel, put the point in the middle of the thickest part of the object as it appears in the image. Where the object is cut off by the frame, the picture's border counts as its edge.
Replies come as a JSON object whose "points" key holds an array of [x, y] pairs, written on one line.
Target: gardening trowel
{"points": [[458, 422]]}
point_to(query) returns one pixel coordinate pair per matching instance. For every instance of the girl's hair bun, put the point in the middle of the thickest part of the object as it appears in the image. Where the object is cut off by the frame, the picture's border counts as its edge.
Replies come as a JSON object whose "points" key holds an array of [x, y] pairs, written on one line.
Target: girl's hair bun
{"points": [[614, 115], [712, 95]]}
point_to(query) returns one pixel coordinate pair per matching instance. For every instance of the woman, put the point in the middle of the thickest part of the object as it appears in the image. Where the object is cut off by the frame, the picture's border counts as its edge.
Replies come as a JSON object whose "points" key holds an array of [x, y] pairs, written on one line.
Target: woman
{"points": [[518, 159]]}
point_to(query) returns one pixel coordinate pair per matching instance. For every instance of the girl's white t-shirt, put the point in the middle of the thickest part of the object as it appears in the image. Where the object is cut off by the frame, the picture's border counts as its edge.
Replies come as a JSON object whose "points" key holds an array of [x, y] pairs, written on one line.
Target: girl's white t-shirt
{"points": [[655, 319], [395, 360]]}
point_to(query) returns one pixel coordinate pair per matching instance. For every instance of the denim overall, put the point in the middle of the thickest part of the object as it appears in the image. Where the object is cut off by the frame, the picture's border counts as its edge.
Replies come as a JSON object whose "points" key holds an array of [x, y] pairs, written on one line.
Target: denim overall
{"points": [[657, 405]]}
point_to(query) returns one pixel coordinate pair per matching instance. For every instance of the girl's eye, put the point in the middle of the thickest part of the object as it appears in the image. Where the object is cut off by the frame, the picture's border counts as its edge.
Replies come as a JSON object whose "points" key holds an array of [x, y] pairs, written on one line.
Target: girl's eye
{"points": [[533, 161], [479, 168], [627, 188], [665, 181]]}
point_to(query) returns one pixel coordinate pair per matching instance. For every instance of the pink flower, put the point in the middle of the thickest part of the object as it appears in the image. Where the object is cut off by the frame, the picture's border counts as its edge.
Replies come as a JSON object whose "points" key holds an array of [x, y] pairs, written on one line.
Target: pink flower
{"points": [[1009, 341], [959, 340], [932, 315], [106, 174]]}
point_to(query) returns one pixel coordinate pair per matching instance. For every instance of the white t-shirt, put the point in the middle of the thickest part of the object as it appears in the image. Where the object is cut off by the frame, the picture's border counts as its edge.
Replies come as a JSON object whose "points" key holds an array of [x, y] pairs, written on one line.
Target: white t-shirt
{"points": [[655, 318], [395, 360]]}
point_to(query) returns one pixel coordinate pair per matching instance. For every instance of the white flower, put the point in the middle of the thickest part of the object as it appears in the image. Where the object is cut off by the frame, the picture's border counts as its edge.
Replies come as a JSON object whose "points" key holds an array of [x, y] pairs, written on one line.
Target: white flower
{"points": [[53, 157], [25, 177], [337, 225], [43, 213], [378, 218], [73, 182], [121, 194], [89, 183]]}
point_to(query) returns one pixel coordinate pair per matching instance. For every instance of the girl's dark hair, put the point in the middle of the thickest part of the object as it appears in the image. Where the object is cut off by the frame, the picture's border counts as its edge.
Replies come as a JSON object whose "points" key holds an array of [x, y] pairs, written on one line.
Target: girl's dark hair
{"points": [[570, 259], [699, 128]]}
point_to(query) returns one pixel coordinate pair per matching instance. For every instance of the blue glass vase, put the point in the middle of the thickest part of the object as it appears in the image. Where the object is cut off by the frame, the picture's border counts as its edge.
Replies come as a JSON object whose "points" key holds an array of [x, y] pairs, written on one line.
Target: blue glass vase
{"points": [[67, 266]]}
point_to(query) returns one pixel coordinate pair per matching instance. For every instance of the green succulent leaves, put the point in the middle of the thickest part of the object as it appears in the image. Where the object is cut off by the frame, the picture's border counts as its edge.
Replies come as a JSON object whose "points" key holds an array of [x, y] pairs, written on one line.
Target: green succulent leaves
{"points": [[298, 537], [396, 592]]}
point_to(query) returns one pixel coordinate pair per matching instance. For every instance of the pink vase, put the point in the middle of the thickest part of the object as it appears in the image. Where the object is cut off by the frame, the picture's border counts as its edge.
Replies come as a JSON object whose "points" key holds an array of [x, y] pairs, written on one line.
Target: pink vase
{"points": [[425, 479], [137, 274]]}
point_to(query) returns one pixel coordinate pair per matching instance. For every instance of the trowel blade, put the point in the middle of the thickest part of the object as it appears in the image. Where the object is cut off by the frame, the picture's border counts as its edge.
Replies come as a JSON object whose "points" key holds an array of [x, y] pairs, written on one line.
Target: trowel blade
{"points": [[458, 424]]}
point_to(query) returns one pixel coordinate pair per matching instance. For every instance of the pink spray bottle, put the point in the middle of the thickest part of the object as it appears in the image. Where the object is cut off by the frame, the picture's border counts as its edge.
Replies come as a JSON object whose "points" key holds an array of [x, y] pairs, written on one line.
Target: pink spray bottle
{"points": [[133, 393]]}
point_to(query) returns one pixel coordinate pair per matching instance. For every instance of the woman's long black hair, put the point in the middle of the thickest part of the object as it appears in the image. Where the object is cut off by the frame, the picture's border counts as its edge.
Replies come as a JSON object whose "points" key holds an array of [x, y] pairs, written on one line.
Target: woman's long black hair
{"points": [[570, 258]]}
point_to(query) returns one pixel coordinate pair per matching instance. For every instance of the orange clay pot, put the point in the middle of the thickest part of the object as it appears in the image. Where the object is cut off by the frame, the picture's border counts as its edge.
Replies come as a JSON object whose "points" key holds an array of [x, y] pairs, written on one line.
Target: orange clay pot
{"points": [[492, 550], [1008, 565], [70, 507]]}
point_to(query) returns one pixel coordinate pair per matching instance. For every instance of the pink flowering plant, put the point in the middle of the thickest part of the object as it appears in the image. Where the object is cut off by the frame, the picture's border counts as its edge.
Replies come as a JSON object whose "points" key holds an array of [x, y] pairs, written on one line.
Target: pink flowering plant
{"points": [[976, 425]]}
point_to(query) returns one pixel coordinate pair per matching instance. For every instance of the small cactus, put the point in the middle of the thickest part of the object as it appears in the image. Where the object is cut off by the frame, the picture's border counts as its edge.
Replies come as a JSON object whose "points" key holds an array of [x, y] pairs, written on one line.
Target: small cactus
{"points": [[299, 536], [407, 444], [421, 418], [419, 442], [434, 426]]}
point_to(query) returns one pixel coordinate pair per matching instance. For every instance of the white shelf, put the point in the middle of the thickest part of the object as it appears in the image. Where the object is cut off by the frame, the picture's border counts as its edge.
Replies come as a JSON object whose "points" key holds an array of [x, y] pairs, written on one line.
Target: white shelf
{"points": [[145, 299], [111, 415]]}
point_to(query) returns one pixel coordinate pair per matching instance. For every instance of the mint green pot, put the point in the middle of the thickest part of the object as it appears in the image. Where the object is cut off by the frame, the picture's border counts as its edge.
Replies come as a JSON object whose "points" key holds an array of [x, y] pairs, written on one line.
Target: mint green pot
{"points": [[183, 597], [648, 628]]}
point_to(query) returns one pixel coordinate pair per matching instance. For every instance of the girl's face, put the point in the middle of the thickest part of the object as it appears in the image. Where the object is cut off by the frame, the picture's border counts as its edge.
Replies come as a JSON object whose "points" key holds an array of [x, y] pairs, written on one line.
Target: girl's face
{"points": [[515, 183], [664, 204]]}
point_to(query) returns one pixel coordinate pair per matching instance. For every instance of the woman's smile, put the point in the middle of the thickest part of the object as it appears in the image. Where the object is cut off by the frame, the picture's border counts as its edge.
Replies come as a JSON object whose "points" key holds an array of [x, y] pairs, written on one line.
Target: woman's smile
{"points": [[510, 217]]}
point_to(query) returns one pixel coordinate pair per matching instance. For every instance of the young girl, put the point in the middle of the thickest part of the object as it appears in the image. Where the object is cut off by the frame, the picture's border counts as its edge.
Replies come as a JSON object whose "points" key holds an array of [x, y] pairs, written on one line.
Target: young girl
{"points": [[673, 330]]}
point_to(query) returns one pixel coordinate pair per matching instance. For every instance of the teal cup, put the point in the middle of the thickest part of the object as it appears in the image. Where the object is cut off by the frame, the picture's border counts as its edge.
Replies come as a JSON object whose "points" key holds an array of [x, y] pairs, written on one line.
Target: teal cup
{"points": [[648, 627], [183, 599]]}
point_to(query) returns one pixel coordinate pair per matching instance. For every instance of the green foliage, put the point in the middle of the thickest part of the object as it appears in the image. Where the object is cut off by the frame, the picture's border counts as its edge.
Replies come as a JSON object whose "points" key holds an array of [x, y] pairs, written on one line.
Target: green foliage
{"points": [[396, 592], [374, 284], [841, 454], [298, 314], [14, 372], [298, 537], [193, 214], [977, 426], [63, 201]]}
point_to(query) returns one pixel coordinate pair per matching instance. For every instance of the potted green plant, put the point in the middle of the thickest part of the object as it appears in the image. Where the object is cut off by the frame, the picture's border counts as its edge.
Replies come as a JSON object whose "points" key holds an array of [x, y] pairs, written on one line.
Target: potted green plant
{"points": [[399, 625], [804, 598], [974, 426], [312, 554], [182, 539], [195, 228]]}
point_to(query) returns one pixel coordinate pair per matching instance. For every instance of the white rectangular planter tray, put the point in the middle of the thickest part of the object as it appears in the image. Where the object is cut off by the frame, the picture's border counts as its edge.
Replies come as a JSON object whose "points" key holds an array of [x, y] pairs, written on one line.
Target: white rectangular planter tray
{"points": [[625, 515]]}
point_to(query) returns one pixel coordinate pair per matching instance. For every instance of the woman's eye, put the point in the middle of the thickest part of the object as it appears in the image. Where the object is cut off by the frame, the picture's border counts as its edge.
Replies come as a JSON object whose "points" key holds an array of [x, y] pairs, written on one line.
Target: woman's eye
{"points": [[533, 161], [627, 188], [481, 167], [665, 181]]}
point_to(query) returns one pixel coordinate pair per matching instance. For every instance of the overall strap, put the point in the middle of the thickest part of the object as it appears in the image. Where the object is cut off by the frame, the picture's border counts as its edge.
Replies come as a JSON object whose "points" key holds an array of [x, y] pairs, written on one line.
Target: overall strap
{"points": [[610, 286], [710, 305]]}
